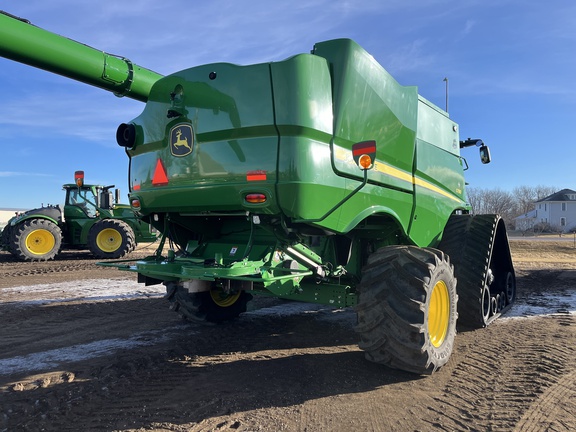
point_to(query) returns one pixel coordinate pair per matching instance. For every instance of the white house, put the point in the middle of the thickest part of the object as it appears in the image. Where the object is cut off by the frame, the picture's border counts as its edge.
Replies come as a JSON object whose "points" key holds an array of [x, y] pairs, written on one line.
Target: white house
{"points": [[526, 221], [557, 210]]}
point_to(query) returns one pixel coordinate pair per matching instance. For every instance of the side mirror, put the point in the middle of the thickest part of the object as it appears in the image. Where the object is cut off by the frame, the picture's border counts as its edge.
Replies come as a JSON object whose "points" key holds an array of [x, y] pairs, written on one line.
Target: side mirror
{"points": [[485, 154]]}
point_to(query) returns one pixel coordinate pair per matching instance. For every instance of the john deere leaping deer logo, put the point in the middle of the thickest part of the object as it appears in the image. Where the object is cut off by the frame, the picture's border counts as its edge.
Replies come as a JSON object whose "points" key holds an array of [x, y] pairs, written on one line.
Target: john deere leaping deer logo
{"points": [[181, 140]]}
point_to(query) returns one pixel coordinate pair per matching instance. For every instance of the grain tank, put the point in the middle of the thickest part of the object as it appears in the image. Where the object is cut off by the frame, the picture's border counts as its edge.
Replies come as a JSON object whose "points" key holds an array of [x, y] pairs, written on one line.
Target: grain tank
{"points": [[320, 179]]}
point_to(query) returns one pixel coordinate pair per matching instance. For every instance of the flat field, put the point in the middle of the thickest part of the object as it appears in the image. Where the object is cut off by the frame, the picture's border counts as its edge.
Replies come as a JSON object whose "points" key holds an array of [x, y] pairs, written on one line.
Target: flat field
{"points": [[86, 348]]}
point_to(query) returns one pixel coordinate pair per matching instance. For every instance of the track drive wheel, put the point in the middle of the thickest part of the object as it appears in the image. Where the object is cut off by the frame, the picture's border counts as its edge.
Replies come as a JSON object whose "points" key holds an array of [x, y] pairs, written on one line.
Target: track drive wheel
{"points": [[36, 240], [213, 306], [407, 308], [111, 238]]}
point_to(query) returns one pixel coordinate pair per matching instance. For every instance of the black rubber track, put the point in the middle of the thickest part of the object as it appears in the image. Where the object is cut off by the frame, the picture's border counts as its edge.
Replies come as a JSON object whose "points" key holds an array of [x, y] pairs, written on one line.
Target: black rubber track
{"points": [[478, 249]]}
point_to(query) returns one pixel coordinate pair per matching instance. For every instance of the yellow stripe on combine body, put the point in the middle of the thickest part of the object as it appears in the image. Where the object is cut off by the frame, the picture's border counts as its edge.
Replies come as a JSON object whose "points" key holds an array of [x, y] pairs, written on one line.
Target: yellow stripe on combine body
{"points": [[404, 176]]}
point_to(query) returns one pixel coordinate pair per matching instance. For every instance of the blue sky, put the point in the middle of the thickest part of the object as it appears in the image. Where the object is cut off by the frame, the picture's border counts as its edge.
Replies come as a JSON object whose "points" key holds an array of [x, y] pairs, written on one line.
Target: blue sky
{"points": [[511, 66]]}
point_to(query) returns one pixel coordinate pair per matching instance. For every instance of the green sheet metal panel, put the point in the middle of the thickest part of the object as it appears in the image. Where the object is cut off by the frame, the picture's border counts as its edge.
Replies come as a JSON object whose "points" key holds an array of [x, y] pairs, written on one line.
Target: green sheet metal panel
{"points": [[234, 142], [438, 177], [369, 104]]}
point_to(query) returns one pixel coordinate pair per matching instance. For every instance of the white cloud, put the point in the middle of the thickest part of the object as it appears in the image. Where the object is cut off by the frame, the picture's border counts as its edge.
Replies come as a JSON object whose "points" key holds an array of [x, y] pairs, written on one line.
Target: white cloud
{"points": [[20, 174], [468, 26]]}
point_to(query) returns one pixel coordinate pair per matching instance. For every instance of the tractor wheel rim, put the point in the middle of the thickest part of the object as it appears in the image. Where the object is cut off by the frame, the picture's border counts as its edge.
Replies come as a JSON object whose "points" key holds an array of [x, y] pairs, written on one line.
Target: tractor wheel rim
{"points": [[109, 240], [40, 242], [223, 299], [439, 314]]}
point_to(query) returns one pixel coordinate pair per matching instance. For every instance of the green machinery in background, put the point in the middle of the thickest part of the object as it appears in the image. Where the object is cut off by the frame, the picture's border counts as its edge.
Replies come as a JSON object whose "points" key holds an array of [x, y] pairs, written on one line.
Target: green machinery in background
{"points": [[318, 178], [91, 219]]}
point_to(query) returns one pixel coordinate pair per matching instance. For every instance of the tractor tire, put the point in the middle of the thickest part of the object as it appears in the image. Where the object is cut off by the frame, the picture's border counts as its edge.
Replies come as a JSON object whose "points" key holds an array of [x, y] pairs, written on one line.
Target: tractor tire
{"points": [[111, 239], [407, 308], [5, 237], [214, 306], [35, 240]]}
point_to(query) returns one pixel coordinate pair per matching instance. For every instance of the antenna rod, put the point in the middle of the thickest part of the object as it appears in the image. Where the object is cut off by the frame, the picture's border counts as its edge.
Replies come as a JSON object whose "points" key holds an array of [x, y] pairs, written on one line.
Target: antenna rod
{"points": [[446, 80]]}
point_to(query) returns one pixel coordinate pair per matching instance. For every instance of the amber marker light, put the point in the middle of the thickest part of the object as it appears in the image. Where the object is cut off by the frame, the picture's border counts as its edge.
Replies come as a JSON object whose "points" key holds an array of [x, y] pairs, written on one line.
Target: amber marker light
{"points": [[364, 154], [135, 203], [365, 162], [79, 178], [255, 198]]}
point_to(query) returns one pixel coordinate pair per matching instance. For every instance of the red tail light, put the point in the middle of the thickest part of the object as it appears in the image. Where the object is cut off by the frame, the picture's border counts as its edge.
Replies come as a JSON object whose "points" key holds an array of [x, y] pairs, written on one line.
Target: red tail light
{"points": [[255, 198]]}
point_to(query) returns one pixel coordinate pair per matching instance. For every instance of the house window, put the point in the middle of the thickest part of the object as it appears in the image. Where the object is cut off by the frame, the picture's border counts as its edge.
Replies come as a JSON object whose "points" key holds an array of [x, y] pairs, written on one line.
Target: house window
{"points": [[562, 221], [563, 206]]}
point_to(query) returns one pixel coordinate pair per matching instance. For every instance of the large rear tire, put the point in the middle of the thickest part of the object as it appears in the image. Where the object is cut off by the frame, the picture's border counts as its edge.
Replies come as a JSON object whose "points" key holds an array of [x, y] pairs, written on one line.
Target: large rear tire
{"points": [[5, 237], [213, 306], [407, 308], [111, 239], [35, 240]]}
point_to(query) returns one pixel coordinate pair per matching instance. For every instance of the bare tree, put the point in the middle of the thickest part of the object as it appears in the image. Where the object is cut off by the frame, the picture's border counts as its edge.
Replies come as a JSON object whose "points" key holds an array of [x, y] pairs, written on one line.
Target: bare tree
{"points": [[493, 201], [507, 204], [526, 196]]}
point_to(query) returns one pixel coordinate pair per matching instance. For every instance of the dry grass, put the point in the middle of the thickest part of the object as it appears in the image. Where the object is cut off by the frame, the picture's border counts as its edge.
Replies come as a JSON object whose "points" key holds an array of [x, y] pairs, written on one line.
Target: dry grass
{"points": [[552, 251]]}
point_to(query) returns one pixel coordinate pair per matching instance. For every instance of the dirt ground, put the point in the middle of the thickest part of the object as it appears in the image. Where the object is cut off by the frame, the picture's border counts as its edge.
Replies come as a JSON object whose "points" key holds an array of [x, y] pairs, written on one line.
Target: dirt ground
{"points": [[86, 348]]}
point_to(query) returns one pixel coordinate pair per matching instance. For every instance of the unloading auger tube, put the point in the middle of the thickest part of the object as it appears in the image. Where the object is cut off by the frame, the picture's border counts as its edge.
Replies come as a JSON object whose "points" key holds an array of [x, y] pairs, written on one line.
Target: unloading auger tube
{"points": [[23, 42]]}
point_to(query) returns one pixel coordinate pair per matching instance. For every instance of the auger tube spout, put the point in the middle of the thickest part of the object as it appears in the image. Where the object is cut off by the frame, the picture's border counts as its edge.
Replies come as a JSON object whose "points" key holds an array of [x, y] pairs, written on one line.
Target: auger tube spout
{"points": [[23, 42]]}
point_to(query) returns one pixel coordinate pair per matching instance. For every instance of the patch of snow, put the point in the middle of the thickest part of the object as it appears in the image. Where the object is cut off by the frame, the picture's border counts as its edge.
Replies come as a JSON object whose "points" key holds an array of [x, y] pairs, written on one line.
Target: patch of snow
{"points": [[550, 304], [90, 290], [53, 358]]}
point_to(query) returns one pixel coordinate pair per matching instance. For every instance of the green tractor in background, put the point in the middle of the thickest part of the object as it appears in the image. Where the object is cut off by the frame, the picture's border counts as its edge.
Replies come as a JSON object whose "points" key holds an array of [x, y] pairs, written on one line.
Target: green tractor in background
{"points": [[90, 220]]}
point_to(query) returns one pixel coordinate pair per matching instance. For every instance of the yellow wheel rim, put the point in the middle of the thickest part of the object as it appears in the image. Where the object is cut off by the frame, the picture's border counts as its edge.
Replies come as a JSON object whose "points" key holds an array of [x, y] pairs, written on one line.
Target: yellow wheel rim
{"points": [[223, 299], [439, 314], [109, 240], [40, 242]]}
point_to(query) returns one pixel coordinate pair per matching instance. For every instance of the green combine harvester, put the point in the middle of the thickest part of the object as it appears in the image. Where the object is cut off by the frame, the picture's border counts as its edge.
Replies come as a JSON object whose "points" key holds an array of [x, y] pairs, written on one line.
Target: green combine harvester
{"points": [[318, 178]]}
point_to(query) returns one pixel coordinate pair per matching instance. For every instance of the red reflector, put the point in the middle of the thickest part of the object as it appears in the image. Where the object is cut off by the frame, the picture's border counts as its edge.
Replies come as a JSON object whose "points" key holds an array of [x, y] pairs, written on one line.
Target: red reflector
{"points": [[135, 203], [365, 147], [255, 198], [258, 175], [160, 177]]}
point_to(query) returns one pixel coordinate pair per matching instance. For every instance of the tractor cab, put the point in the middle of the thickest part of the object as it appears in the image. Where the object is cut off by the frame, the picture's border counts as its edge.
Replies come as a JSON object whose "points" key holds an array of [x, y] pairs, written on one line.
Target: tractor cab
{"points": [[84, 200]]}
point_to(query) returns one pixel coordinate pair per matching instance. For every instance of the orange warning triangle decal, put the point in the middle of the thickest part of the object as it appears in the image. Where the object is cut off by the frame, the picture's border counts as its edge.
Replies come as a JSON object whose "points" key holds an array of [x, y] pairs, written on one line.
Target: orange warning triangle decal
{"points": [[160, 177]]}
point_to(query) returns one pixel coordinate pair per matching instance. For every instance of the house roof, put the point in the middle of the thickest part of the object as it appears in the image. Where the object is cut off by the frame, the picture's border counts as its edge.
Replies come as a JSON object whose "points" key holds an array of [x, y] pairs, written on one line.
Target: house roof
{"points": [[562, 195]]}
